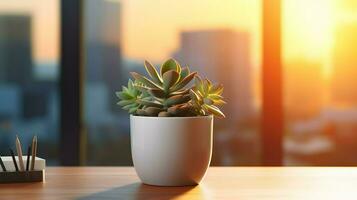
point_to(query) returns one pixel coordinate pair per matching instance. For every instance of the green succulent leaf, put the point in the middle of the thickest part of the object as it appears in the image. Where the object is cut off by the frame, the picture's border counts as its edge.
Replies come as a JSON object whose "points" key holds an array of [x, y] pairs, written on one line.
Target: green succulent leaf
{"points": [[184, 72], [141, 88], [164, 114], [206, 86], [127, 107], [181, 110], [149, 103], [132, 110], [178, 99], [182, 92], [205, 96], [170, 78], [157, 93], [170, 64], [173, 110], [214, 110], [215, 96], [129, 96], [216, 89], [152, 72], [152, 111], [142, 79], [194, 96], [124, 102], [141, 112], [123, 95], [219, 102], [130, 85], [199, 84], [184, 82]]}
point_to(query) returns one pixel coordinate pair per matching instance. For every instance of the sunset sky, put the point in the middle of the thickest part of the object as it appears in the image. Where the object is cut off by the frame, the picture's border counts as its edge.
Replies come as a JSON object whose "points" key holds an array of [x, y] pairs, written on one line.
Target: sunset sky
{"points": [[151, 27]]}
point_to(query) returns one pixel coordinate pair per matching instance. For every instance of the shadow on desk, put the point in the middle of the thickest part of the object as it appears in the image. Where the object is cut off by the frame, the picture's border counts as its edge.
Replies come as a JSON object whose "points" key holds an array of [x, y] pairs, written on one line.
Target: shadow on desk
{"points": [[140, 191]]}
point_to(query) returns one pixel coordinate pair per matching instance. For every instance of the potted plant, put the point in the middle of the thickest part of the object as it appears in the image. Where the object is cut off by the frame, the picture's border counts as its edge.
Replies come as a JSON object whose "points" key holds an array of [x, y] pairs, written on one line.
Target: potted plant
{"points": [[171, 123]]}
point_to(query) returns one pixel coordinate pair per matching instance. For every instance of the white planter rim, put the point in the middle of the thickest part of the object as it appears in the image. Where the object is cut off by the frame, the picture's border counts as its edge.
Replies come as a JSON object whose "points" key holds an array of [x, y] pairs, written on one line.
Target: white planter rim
{"points": [[191, 117]]}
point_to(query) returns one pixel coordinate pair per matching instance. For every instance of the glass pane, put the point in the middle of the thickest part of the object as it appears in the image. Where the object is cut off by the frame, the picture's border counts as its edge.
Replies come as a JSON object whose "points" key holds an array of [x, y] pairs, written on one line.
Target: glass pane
{"points": [[320, 63], [29, 37], [219, 40]]}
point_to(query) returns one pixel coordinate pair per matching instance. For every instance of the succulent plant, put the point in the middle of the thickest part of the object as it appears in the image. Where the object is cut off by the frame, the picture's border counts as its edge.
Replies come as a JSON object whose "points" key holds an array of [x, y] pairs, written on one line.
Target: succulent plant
{"points": [[206, 97], [167, 93], [129, 98]]}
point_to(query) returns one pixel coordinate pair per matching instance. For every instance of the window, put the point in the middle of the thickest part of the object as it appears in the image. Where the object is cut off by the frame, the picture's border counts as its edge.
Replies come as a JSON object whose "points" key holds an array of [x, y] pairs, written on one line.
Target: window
{"points": [[320, 68], [219, 40], [29, 41]]}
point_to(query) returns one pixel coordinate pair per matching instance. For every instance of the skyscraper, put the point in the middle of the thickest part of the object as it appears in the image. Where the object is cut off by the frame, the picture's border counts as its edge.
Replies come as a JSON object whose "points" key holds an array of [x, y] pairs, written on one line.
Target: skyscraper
{"points": [[16, 66], [223, 56], [344, 79], [303, 88], [15, 49], [102, 45]]}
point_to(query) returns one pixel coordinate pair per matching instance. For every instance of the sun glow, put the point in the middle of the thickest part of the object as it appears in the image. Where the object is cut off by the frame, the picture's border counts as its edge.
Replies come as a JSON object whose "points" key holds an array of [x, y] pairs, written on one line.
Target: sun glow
{"points": [[308, 28]]}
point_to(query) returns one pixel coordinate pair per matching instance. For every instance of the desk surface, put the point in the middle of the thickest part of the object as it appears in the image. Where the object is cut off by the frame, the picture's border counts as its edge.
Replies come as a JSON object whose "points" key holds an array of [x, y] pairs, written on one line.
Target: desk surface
{"points": [[219, 183]]}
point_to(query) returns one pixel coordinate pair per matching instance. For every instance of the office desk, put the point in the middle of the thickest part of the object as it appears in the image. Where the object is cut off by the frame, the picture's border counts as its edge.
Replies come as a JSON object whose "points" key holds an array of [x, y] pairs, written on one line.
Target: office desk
{"points": [[219, 183]]}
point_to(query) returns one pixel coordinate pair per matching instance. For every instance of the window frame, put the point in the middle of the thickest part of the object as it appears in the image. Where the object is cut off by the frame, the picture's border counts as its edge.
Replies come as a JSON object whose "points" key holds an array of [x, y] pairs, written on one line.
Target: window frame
{"points": [[71, 82], [272, 125]]}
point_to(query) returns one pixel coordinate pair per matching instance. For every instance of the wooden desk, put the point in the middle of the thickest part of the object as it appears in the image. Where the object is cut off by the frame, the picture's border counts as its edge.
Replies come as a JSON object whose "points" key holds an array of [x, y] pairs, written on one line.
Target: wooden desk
{"points": [[220, 183]]}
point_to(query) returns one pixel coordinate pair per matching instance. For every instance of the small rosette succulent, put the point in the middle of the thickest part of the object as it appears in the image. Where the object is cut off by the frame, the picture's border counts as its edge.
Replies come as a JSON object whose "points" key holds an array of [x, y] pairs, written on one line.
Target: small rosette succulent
{"points": [[206, 97], [167, 93]]}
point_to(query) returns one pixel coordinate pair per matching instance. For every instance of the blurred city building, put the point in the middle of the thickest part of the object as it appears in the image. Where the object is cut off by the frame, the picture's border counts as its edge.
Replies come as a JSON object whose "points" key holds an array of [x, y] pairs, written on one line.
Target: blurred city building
{"points": [[10, 102], [341, 127], [303, 89], [327, 139], [15, 49], [223, 56], [344, 81], [107, 126], [102, 46], [28, 104], [316, 133], [328, 135]]}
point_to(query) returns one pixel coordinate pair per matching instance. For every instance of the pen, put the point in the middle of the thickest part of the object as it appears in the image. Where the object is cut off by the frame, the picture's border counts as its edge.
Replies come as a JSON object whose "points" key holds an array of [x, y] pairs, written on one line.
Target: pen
{"points": [[19, 154], [33, 155], [28, 158], [13, 159], [2, 165]]}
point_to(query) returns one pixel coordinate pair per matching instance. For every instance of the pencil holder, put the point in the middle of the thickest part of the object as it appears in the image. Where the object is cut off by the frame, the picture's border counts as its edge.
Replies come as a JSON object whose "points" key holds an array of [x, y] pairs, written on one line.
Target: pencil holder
{"points": [[11, 175], [22, 176]]}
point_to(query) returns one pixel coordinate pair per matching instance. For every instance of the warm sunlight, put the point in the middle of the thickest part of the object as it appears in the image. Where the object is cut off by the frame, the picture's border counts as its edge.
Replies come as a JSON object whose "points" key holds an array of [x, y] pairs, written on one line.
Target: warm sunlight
{"points": [[158, 37], [308, 28], [307, 25], [178, 99]]}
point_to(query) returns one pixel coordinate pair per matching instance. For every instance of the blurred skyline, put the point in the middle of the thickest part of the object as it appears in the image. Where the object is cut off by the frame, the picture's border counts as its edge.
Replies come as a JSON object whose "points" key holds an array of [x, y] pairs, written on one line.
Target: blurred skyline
{"points": [[308, 26], [220, 41], [45, 25]]}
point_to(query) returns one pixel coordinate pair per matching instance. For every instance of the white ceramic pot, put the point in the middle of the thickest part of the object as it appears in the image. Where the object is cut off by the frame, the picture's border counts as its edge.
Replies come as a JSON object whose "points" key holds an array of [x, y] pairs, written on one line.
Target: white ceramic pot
{"points": [[171, 151]]}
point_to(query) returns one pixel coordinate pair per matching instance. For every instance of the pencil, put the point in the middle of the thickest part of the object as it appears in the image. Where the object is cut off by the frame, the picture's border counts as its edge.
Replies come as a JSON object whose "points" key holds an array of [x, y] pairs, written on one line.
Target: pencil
{"points": [[19, 154], [13, 159], [33, 154], [2, 165], [28, 158]]}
